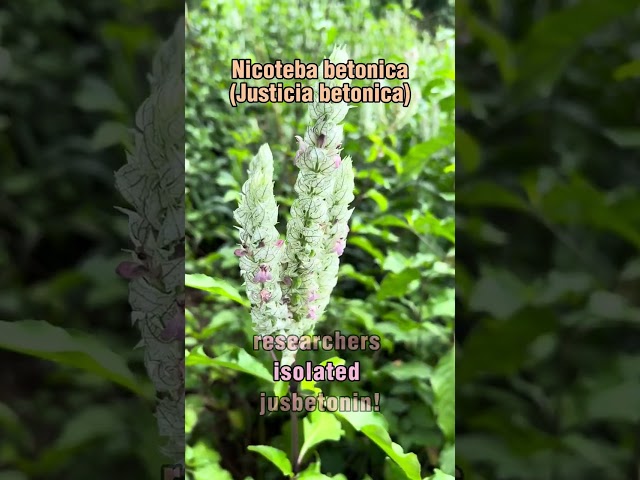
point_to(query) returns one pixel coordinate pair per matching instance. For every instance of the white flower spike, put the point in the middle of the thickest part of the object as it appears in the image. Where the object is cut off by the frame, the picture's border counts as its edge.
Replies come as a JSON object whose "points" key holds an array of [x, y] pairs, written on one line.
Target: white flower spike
{"points": [[289, 282]]}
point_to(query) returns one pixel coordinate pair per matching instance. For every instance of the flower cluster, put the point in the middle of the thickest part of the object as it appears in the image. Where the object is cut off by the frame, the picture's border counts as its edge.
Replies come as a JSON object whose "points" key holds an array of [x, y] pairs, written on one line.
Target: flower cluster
{"points": [[303, 270], [261, 249], [152, 182]]}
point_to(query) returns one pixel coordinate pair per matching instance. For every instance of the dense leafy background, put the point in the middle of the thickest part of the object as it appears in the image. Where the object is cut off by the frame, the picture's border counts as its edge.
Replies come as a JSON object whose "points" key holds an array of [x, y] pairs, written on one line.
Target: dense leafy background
{"points": [[548, 226], [396, 278], [74, 400]]}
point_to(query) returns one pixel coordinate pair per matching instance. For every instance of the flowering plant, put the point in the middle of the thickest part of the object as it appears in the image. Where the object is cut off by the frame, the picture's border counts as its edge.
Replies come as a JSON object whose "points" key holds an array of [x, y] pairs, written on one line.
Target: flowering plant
{"points": [[289, 281], [152, 182]]}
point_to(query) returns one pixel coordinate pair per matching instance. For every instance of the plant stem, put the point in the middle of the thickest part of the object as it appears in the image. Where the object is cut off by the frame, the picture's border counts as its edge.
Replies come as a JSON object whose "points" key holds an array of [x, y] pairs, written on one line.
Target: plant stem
{"points": [[293, 389]]}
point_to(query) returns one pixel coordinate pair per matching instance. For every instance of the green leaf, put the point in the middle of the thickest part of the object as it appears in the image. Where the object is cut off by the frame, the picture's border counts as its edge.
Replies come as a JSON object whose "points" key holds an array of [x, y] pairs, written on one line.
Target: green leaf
{"points": [[625, 398], [624, 137], [96, 95], [204, 462], [631, 270], [347, 270], [381, 200], [397, 284], [390, 221], [440, 475], [13, 475], [448, 459], [503, 347], [281, 388], [275, 456], [361, 419], [404, 372], [392, 470], [627, 70], [13, 428], [610, 306], [408, 462], [419, 155], [87, 424], [313, 473], [216, 286], [499, 292], [468, 150], [444, 390], [428, 223], [580, 202], [553, 40], [109, 134], [497, 43], [236, 359], [366, 245], [310, 385], [489, 194], [374, 426], [43, 340], [319, 427]]}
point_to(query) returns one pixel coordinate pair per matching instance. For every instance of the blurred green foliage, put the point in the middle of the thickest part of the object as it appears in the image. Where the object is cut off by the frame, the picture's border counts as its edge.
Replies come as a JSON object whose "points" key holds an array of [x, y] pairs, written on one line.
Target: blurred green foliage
{"points": [[548, 223], [74, 402], [396, 276]]}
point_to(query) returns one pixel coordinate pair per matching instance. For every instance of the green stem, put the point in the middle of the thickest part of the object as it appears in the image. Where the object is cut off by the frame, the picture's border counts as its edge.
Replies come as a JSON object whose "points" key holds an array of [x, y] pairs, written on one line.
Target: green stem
{"points": [[295, 461]]}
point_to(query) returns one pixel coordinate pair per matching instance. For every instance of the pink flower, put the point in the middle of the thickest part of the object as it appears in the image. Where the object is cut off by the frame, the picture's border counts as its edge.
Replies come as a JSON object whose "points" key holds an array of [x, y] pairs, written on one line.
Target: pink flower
{"points": [[339, 246], [131, 270], [302, 146], [265, 295], [174, 329], [337, 160], [312, 314], [262, 275], [287, 281], [279, 243], [313, 296], [239, 252]]}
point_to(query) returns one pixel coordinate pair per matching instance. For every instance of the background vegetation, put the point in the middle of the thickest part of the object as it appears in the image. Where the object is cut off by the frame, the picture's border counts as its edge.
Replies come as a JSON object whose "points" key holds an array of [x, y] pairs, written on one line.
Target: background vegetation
{"points": [[548, 228], [396, 278], [74, 399]]}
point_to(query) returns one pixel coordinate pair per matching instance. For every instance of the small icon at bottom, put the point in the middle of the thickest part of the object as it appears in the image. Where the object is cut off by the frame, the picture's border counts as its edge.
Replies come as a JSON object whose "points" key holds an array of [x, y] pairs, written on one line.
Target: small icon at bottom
{"points": [[172, 472]]}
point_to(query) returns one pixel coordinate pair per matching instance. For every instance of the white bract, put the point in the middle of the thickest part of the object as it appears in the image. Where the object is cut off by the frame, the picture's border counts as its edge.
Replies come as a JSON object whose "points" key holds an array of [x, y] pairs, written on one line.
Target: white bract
{"points": [[152, 182], [289, 282]]}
